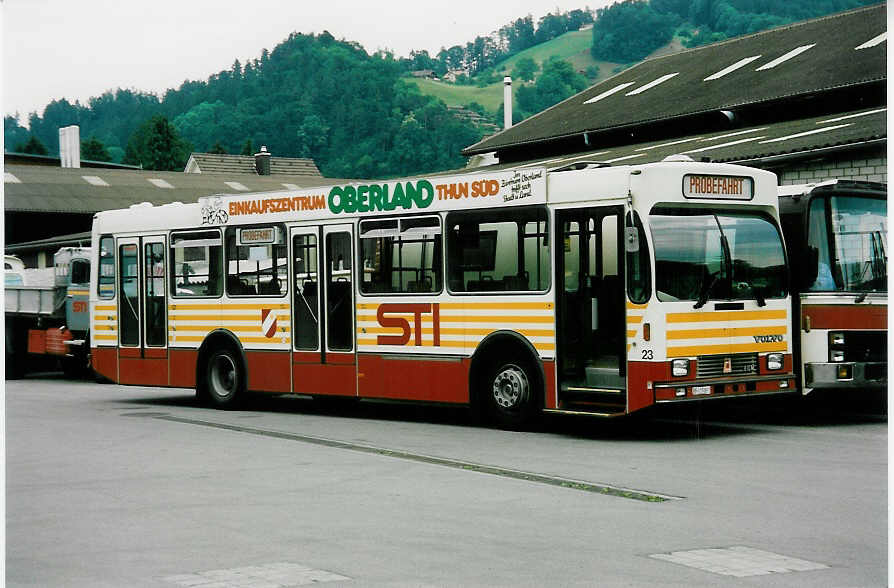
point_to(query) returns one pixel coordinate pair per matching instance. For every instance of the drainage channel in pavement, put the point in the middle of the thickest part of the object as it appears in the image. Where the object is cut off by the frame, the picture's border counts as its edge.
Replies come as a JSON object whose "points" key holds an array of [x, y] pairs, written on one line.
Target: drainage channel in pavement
{"points": [[596, 488]]}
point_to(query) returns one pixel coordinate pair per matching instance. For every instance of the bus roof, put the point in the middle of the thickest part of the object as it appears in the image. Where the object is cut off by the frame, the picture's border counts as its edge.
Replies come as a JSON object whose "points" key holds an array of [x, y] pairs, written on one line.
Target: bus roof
{"points": [[479, 188]]}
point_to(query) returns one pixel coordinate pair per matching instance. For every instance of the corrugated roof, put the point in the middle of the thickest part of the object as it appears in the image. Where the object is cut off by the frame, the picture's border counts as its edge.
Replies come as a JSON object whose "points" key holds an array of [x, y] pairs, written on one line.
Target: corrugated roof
{"points": [[245, 164], [808, 58], [54, 189], [762, 144]]}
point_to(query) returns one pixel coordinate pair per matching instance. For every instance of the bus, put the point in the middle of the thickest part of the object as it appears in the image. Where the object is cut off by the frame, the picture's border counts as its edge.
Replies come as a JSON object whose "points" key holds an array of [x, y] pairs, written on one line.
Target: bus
{"points": [[588, 289], [838, 233]]}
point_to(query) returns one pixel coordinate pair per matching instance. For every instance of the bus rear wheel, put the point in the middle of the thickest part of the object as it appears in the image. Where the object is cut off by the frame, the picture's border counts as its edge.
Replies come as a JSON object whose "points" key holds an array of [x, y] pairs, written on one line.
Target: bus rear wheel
{"points": [[509, 393], [223, 379]]}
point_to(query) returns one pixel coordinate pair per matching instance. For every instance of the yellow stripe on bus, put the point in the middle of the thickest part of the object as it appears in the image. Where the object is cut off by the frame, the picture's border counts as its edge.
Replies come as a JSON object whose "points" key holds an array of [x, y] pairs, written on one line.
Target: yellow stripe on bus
{"points": [[729, 332], [228, 306], [634, 318], [475, 305], [631, 334], [105, 307], [411, 343], [215, 318], [206, 327], [726, 348], [455, 331], [99, 337], [466, 319], [275, 340], [726, 315], [633, 306], [105, 328], [78, 292]]}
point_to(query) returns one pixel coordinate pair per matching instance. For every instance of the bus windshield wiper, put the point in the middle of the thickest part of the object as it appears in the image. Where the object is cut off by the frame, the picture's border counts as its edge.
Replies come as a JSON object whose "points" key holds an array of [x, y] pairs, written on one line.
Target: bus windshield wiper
{"points": [[707, 285], [757, 292]]}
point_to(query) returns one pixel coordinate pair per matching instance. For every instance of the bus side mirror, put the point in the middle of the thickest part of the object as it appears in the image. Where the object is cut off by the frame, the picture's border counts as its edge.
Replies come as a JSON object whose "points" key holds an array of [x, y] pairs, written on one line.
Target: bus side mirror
{"points": [[631, 240]]}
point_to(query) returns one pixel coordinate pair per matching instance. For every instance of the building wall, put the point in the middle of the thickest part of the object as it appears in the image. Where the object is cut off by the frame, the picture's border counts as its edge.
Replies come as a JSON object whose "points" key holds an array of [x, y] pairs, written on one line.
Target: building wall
{"points": [[871, 167]]}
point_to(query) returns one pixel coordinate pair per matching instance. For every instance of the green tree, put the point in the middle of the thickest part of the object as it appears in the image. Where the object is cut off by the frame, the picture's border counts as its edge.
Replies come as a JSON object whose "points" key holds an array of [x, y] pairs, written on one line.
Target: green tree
{"points": [[312, 136], [92, 149], [33, 146], [629, 31], [157, 145], [247, 148], [557, 82], [218, 148], [525, 69], [13, 132]]}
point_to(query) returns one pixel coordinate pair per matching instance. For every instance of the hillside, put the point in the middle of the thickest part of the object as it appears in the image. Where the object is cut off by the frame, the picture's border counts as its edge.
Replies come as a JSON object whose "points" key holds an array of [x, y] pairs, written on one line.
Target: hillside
{"points": [[573, 47]]}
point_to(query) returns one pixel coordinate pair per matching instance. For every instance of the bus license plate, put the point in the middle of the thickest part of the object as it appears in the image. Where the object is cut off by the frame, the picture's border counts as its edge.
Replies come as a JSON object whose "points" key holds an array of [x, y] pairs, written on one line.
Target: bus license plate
{"points": [[701, 390]]}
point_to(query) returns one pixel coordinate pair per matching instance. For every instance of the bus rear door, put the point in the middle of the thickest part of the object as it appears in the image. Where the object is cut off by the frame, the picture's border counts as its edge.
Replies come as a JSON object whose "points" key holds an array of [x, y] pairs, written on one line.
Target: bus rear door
{"points": [[142, 311]]}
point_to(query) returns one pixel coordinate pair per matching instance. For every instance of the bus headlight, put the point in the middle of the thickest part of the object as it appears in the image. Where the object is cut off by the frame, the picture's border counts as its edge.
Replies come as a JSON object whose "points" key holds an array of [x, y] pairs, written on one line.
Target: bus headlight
{"points": [[680, 368], [836, 356], [836, 338], [774, 361]]}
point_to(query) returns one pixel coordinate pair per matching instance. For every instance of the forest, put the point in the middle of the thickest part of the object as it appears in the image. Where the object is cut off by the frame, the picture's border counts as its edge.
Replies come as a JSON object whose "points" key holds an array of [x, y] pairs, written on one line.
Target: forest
{"points": [[355, 113]]}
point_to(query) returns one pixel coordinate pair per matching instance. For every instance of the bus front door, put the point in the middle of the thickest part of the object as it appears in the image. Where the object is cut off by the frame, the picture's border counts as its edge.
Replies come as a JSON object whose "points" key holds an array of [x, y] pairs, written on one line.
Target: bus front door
{"points": [[142, 311], [590, 307], [323, 353]]}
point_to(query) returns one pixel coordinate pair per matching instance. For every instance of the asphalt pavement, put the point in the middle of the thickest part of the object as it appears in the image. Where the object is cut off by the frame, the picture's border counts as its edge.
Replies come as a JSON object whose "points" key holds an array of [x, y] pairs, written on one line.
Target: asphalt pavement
{"points": [[128, 486]]}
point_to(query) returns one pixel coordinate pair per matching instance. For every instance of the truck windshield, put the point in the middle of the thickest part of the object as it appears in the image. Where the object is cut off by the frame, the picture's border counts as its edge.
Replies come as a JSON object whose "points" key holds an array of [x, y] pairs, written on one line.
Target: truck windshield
{"points": [[848, 239], [705, 255]]}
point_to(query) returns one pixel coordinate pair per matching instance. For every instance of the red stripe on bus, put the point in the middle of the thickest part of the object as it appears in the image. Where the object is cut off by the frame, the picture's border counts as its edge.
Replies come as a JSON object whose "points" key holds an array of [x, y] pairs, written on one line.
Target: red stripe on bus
{"points": [[183, 367], [326, 379], [845, 316], [105, 362], [549, 384], [268, 371], [408, 378], [143, 372]]}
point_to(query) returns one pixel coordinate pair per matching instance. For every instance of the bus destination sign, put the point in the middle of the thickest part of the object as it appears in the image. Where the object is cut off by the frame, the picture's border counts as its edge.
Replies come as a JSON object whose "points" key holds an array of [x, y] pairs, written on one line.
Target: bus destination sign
{"points": [[718, 187]]}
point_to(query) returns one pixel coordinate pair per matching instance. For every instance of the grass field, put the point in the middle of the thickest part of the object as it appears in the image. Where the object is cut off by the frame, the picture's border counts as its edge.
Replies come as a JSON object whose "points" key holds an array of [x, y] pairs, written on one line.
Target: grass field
{"points": [[573, 47], [489, 97]]}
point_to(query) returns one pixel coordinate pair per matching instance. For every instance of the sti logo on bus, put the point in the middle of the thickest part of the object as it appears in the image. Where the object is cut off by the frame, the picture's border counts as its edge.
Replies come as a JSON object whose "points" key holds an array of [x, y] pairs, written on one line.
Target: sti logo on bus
{"points": [[399, 322]]}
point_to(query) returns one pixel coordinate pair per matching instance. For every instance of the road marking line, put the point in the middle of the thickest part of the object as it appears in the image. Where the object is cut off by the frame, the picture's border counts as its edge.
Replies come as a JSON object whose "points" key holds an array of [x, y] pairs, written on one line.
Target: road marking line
{"points": [[595, 488]]}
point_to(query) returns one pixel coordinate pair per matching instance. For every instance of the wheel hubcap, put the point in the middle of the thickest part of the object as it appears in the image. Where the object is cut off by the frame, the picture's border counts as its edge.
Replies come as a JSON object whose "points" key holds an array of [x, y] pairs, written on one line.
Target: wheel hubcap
{"points": [[223, 376], [511, 388]]}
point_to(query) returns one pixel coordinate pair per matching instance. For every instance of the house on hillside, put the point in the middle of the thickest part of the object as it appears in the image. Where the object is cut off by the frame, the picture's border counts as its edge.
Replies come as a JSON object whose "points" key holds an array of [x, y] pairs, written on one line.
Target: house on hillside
{"points": [[424, 73], [223, 163]]}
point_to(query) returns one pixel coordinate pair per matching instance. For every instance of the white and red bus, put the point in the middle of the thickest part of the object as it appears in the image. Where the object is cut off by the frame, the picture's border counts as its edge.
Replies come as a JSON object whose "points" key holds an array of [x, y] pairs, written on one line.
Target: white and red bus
{"points": [[585, 289], [837, 237]]}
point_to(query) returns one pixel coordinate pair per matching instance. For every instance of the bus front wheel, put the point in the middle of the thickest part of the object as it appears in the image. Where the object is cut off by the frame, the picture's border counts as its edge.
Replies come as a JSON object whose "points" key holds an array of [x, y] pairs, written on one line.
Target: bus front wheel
{"points": [[223, 379], [509, 393]]}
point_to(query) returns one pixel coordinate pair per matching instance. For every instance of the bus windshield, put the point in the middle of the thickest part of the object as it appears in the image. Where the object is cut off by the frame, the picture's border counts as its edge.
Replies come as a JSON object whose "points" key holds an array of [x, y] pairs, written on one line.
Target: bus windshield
{"points": [[703, 255], [848, 239]]}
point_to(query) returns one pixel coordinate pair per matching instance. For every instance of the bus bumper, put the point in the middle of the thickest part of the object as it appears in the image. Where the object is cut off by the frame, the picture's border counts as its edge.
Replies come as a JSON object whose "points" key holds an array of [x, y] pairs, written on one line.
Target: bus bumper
{"points": [[724, 388], [846, 374]]}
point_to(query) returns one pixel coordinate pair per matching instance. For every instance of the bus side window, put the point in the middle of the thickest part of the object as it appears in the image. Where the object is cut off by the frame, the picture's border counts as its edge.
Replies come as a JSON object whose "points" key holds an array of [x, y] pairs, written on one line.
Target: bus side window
{"points": [[498, 251], [196, 264], [638, 275], [401, 255], [106, 282], [257, 266]]}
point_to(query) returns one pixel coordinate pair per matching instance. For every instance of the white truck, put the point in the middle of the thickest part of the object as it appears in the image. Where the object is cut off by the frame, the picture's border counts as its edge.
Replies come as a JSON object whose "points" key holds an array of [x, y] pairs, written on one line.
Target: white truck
{"points": [[47, 312]]}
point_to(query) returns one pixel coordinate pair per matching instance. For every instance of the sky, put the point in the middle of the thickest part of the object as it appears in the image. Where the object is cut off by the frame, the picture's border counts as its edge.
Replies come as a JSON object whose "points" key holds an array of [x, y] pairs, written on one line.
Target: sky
{"points": [[76, 49]]}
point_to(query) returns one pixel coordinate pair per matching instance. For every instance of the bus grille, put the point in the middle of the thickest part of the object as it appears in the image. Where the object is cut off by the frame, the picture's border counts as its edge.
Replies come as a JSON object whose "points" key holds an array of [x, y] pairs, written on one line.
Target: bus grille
{"points": [[710, 366]]}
